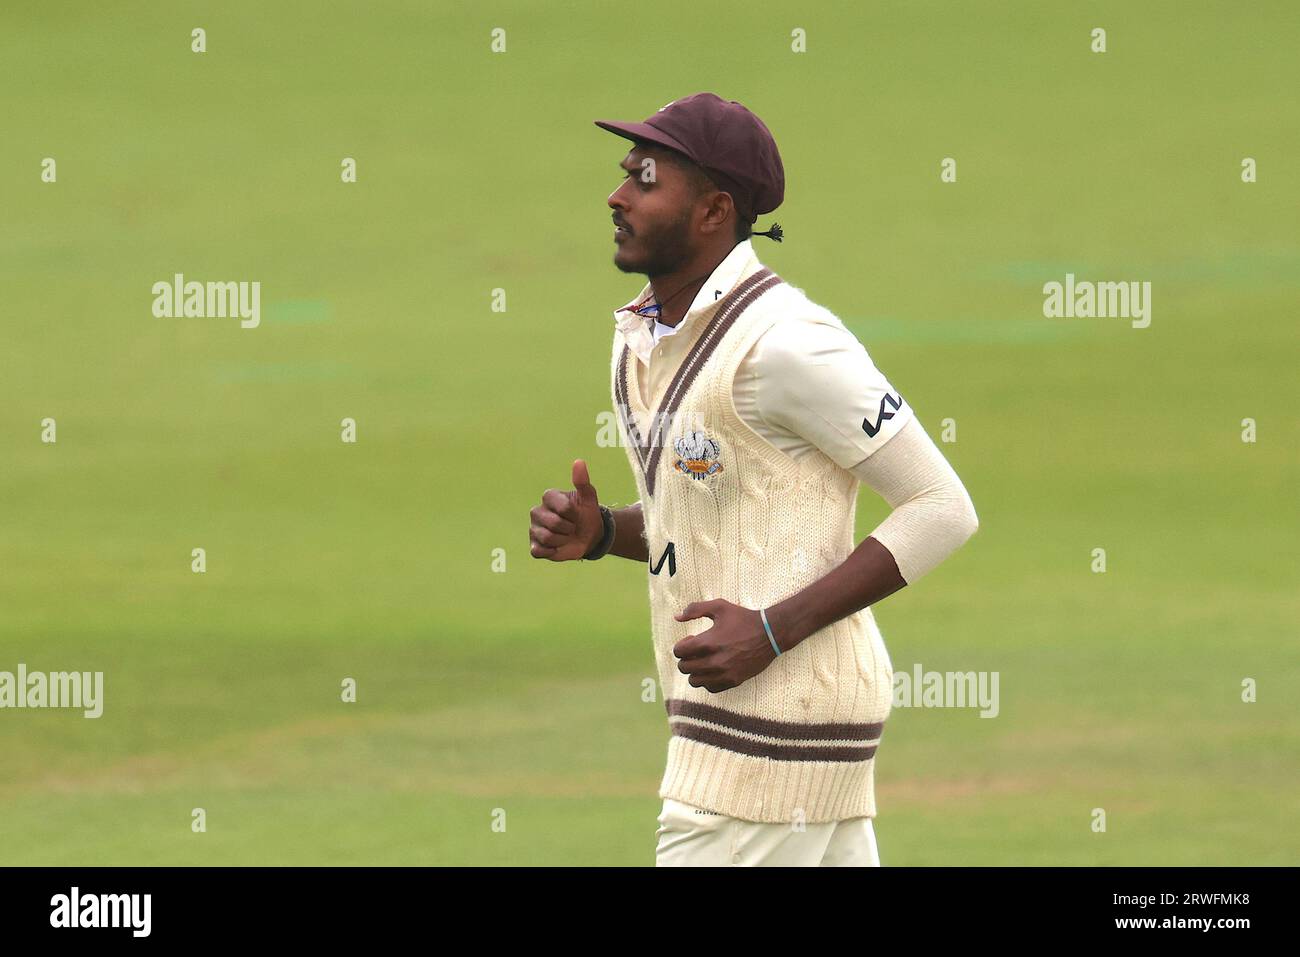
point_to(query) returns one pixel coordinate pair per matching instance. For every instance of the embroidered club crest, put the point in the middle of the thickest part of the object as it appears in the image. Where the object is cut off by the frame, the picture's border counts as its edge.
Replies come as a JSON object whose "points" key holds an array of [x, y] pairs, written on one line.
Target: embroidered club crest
{"points": [[697, 455]]}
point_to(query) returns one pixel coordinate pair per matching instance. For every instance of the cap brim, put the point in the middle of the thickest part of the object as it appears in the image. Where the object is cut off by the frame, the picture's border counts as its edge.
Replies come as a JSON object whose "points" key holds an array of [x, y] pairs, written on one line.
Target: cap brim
{"points": [[643, 132]]}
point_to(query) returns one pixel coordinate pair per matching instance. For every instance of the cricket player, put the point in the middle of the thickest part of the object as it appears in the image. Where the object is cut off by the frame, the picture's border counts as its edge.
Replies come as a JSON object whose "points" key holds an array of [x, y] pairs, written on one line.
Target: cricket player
{"points": [[750, 416]]}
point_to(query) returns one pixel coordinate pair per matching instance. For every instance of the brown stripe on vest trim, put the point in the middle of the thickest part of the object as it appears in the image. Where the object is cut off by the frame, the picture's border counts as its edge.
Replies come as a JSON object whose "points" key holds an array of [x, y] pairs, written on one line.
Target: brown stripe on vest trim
{"points": [[728, 311], [777, 752], [625, 410], [841, 731], [701, 350], [736, 303]]}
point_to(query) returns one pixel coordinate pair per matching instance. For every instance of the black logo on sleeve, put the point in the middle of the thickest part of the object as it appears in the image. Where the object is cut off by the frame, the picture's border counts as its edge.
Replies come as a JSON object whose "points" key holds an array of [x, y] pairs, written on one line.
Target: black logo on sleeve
{"points": [[669, 555], [896, 402]]}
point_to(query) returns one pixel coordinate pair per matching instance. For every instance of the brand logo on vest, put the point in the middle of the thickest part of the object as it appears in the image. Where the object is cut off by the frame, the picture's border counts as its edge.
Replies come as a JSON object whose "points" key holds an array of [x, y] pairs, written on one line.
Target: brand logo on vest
{"points": [[670, 556], [883, 416], [697, 455]]}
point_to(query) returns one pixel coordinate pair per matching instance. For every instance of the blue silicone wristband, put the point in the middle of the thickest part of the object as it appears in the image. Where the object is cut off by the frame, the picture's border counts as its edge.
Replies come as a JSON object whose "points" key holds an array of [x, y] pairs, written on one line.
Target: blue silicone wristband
{"points": [[762, 612]]}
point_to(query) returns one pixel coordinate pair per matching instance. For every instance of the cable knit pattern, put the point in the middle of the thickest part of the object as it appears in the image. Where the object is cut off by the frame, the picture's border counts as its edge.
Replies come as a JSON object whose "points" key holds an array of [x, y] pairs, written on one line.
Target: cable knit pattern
{"points": [[798, 740]]}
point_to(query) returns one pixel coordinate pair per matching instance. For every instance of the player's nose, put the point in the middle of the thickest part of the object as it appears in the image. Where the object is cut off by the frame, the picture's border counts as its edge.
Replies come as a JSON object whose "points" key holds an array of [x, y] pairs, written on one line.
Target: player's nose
{"points": [[616, 199]]}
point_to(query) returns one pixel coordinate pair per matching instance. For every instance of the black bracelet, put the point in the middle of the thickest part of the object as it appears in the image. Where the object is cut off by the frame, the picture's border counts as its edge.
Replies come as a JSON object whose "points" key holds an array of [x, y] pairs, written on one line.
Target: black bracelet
{"points": [[602, 547]]}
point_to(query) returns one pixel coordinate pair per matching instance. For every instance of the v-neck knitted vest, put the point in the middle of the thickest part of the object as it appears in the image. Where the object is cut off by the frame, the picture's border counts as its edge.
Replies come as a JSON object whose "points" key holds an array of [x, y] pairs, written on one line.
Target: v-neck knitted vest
{"points": [[728, 515]]}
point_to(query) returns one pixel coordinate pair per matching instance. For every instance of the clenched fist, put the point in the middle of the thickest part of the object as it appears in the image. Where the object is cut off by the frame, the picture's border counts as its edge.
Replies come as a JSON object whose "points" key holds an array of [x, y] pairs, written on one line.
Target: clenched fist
{"points": [[566, 525]]}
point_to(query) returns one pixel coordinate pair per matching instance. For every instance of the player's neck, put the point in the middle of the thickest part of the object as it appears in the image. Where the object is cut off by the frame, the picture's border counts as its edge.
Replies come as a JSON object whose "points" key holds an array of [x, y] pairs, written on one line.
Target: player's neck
{"points": [[675, 299], [677, 290]]}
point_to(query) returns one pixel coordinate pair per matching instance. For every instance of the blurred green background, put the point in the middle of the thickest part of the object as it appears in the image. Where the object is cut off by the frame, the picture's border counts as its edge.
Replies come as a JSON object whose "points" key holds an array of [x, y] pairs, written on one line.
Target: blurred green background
{"points": [[520, 690]]}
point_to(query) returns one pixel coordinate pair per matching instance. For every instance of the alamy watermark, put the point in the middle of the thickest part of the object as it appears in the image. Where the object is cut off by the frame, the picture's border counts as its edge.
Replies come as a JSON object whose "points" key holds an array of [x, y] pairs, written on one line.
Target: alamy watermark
{"points": [[947, 689], [53, 689], [181, 299], [644, 430], [75, 909], [1102, 300]]}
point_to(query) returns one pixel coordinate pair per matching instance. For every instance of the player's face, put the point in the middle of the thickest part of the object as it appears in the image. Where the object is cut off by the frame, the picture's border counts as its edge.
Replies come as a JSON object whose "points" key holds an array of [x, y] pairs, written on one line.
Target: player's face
{"points": [[655, 206]]}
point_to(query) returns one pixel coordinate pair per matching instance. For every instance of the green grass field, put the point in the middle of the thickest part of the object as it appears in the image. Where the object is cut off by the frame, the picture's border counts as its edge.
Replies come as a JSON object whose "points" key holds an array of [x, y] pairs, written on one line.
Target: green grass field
{"points": [[521, 690]]}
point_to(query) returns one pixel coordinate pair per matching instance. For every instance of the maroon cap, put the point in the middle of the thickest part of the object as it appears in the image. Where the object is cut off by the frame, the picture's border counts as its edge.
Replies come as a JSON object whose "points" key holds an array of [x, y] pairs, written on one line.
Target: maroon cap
{"points": [[729, 142]]}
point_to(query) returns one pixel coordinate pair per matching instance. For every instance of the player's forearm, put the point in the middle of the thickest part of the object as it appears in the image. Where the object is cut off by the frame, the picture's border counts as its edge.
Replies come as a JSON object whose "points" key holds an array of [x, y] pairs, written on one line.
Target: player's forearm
{"points": [[932, 517], [864, 578], [629, 534]]}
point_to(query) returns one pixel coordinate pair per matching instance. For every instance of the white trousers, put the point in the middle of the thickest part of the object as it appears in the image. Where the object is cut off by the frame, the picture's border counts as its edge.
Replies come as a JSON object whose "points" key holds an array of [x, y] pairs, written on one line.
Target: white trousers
{"points": [[692, 837]]}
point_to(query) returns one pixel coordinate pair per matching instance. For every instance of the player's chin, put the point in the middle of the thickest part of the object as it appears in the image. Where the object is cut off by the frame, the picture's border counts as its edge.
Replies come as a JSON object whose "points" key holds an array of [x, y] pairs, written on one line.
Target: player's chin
{"points": [[625, 260]]}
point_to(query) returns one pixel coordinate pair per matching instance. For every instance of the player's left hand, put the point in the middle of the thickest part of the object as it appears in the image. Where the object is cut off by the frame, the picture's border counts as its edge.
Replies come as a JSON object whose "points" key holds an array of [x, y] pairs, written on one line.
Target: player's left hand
{"points": [[731, 652]]}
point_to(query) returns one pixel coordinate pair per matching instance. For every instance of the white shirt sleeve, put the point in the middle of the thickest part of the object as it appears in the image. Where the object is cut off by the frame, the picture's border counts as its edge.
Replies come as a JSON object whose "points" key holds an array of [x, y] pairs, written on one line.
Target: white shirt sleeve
{"points": [[932, 513], [810, 382]]}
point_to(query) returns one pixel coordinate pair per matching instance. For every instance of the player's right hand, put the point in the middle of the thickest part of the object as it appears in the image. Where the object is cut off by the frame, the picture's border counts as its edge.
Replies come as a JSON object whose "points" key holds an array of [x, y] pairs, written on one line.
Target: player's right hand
{"points": [[566, 525]]}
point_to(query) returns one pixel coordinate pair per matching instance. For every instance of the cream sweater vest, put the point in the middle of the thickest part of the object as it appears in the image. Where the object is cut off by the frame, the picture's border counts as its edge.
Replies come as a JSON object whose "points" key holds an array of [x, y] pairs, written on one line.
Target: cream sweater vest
{"points": [[728, 515]]}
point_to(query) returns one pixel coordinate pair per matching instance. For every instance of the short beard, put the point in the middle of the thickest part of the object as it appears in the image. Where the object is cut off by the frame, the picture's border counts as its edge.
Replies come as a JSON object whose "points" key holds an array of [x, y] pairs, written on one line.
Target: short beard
{"points": [[667, 249]]}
